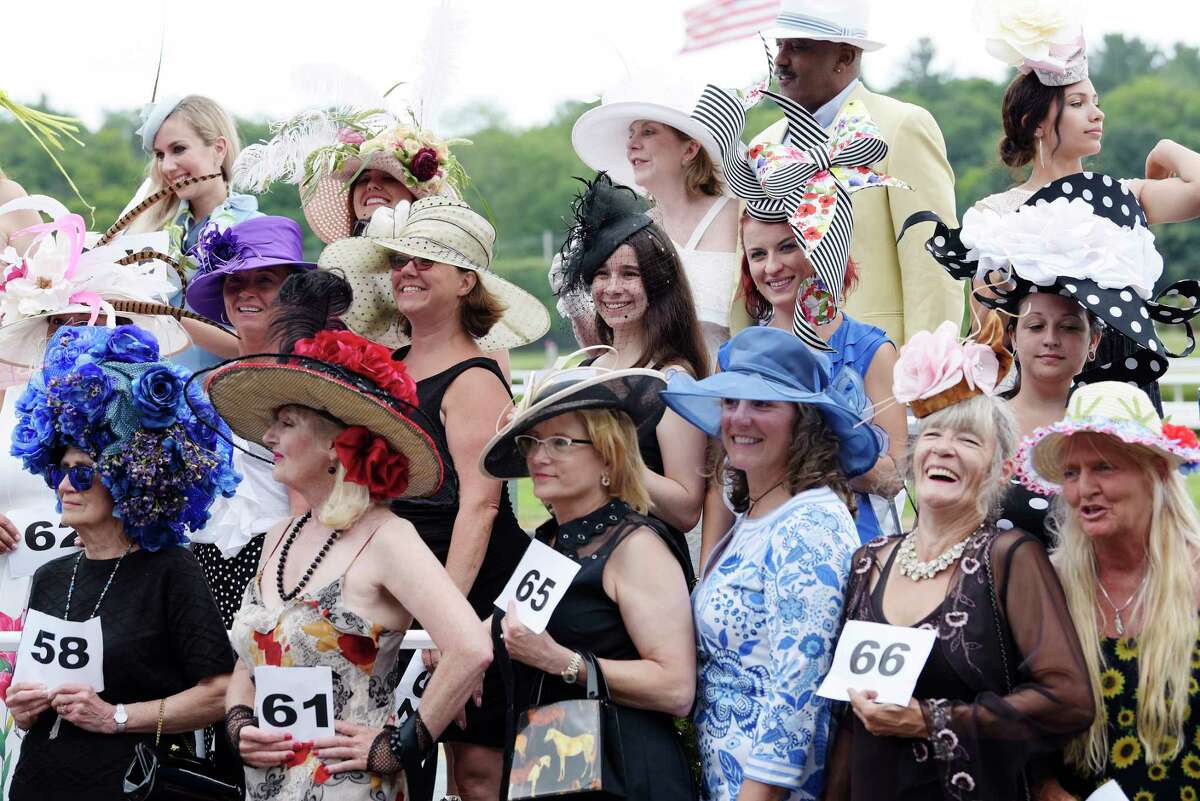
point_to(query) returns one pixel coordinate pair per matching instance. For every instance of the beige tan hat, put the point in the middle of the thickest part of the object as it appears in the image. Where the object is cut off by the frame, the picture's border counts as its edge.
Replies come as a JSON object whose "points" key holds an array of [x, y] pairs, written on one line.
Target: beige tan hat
{"points": [[443, 230]]}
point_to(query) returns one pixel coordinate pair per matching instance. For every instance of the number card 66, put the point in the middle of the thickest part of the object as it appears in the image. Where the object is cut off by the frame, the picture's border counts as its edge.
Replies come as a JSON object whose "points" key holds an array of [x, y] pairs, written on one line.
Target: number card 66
{"points": [[872, 656]]}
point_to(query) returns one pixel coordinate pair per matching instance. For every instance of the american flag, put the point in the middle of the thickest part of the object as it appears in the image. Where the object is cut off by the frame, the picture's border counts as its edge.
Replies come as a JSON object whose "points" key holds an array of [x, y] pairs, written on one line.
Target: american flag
{"points": [[720, 21]]}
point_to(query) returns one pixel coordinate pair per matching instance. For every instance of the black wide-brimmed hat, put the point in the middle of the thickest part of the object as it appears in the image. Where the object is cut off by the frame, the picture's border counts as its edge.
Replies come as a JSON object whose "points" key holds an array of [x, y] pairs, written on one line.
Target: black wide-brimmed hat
{"points": [[1083, 237], [634, 391]]}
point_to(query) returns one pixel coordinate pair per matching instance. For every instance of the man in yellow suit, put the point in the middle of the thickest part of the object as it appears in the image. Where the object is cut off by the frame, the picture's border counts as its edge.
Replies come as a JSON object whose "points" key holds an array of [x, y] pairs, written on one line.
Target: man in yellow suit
{"points": [[901, 288]]}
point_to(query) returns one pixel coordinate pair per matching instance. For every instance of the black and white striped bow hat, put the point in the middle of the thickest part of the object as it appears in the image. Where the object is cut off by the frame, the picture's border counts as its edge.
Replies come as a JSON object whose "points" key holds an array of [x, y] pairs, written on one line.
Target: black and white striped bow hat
{"points": [[805, 181]]}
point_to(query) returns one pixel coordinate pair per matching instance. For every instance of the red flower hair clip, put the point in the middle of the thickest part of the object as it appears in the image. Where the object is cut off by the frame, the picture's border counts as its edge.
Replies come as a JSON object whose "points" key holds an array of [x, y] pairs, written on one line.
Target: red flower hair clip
{"points": [[371, 462]]}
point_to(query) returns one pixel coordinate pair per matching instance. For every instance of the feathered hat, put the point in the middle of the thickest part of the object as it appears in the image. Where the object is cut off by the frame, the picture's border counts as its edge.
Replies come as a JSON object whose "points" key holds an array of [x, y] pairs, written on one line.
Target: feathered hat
{"points": [[67, 270], [603, 216], [323, 151]]}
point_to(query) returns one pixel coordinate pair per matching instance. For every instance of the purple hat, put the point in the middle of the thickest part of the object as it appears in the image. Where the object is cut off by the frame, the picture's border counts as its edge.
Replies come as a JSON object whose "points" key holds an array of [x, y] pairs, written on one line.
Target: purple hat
{"points": [[251, 245]]}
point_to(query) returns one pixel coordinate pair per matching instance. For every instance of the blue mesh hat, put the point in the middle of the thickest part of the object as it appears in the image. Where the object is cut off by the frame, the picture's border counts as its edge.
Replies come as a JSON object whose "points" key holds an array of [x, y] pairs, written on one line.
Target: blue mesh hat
{"points": [[770, 364], [105, 392]]}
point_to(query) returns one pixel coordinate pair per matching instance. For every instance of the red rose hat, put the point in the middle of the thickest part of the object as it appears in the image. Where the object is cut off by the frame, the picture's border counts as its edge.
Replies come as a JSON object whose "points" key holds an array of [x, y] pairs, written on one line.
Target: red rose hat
{"points": [[345, 376]]}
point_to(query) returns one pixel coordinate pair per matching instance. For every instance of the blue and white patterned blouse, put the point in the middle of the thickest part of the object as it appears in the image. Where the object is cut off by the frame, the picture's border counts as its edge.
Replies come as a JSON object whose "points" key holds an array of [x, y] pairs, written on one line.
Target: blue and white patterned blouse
{"points": [[767, 612]]}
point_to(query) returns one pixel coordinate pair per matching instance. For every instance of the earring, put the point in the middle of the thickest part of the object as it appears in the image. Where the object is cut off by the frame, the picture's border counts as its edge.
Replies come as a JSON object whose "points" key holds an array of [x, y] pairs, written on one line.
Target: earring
{"points": [[604, 482], [1091, 355], [332, 469], [1041, 158]]}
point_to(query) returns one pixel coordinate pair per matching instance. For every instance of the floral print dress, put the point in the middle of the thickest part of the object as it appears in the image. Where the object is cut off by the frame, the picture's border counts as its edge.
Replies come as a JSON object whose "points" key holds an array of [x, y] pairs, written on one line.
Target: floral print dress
{"points": [[311, 630], [767, 612], [1174, 780]]}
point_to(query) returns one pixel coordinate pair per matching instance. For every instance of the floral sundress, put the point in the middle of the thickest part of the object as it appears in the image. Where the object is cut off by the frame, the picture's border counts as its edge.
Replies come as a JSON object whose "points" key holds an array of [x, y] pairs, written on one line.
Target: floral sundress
{"points": [[311, 630]]}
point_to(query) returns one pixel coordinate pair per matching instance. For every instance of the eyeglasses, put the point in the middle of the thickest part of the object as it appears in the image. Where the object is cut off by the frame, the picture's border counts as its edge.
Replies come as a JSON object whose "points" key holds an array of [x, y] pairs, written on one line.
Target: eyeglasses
{"points": [[81, 475], [400, 260], [556, 447]]}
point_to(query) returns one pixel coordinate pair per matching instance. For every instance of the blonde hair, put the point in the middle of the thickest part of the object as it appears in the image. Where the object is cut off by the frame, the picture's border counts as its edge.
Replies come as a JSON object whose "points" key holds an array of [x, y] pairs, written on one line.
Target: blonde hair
{"points": [[700, 175], [210, 122], [614, 437], [346, 503], [1164, 649]]}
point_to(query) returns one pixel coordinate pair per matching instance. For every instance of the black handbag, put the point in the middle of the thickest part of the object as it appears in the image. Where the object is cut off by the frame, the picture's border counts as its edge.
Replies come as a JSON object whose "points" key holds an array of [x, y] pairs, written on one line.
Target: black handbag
{"points": [[571, 746], [176, 775]]}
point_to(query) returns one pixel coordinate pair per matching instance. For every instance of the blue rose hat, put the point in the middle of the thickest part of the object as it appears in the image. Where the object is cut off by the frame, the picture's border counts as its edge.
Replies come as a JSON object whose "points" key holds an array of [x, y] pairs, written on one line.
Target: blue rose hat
{"points": [[770, 364], [105, 391]]}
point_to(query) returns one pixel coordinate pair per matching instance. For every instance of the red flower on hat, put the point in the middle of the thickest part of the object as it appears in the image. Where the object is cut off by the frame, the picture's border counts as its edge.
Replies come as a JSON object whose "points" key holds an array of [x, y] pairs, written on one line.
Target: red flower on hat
{"points": [[370, 461], [1181, 434], [425, 164], [806, 209], [369, 359]]}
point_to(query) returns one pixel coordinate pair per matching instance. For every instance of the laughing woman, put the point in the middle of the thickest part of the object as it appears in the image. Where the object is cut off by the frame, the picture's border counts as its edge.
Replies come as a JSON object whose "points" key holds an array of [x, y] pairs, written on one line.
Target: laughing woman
{"points": [[1006, 683]]}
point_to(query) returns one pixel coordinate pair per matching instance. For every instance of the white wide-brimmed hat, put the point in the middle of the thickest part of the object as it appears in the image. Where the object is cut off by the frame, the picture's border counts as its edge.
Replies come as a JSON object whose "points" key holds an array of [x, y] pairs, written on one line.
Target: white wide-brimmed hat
{"points": [[600, 134], [443, 230], [824, 20]]}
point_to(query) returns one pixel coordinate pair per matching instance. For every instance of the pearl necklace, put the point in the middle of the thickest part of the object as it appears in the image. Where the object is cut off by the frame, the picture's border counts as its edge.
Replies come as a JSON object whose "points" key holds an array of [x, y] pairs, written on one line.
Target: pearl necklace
{"points": [[909, 565]]}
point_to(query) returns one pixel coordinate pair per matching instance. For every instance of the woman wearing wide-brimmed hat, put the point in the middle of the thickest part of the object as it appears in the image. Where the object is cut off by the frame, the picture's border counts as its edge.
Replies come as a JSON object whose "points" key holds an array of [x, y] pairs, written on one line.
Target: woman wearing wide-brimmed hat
{"points": [[430, 286], [1129, 558], [349, 163], [643, 135], [575, 433], [340, 585], [770, 593]]}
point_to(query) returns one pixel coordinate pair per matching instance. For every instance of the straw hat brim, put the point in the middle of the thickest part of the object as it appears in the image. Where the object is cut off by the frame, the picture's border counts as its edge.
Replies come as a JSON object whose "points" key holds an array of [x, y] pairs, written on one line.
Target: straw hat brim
{"points": [[1039, 458], [373, 313], [327, 208], [23, 342], [599, 136], [247, 394], [635, 391]]}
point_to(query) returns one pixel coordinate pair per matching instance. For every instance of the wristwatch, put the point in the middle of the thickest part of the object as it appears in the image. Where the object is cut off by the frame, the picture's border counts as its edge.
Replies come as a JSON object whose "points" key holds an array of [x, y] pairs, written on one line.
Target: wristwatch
{"points": [[121, 717], [571, 673]]}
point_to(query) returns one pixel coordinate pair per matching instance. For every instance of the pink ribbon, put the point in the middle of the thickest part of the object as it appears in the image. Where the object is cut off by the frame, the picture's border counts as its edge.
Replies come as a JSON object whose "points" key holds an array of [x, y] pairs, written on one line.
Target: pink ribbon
{"points": [[73, 226], [90, 299]]}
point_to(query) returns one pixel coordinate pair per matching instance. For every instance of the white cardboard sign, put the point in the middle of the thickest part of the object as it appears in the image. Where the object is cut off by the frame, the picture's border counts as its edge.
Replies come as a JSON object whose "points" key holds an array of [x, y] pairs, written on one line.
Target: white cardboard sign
{"points": [[874, 656], [1109, 791], [42, 539], [411, 688], [55, 652], [538, 584], [295, 700]]}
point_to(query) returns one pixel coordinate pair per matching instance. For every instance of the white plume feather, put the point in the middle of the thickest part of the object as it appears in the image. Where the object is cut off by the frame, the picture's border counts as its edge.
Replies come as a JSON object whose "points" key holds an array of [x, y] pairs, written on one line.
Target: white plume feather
{"points": [[282, 157]]}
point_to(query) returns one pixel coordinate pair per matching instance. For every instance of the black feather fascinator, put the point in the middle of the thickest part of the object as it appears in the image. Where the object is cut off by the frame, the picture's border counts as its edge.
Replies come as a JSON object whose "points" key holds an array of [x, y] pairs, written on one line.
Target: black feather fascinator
{"points": [[603, 216], [308, 302]]}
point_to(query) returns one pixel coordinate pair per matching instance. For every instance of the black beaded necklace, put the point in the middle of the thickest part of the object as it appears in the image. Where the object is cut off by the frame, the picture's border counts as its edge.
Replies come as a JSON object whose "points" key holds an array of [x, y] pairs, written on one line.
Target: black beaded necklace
{"points": [[283, 554]]}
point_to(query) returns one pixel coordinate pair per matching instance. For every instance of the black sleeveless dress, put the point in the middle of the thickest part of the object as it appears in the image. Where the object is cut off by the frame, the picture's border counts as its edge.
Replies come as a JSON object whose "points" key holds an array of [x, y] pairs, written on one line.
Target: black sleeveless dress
{"points": [[587, 619], [434, 520]]}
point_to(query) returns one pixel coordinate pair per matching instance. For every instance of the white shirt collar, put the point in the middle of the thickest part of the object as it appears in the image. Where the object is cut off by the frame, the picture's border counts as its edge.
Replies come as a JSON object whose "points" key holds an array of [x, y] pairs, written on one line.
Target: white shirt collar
{"points": [[826, 113]]}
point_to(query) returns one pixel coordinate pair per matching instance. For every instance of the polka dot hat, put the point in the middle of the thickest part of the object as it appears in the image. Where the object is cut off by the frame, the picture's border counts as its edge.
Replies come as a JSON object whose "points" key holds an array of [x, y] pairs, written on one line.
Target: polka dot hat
{"points": [[1121, 308]]}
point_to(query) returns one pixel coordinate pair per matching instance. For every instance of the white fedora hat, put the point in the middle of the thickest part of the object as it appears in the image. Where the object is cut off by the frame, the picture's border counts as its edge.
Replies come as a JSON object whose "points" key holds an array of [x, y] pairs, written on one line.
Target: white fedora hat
{"points": [[600, 134], [824, 20]]}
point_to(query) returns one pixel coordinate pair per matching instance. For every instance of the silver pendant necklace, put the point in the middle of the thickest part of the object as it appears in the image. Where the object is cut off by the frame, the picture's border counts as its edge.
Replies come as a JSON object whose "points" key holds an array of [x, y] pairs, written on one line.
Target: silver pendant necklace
{"points": [[1118, 624]]}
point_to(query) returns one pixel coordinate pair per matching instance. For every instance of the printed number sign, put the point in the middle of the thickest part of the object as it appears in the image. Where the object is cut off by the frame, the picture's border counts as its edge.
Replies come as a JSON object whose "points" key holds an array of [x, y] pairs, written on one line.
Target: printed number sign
{"points": [[42, 539], [411, 688], [537, 585], [873, 656], [295, 700], [55, 652], [1109, 791]]}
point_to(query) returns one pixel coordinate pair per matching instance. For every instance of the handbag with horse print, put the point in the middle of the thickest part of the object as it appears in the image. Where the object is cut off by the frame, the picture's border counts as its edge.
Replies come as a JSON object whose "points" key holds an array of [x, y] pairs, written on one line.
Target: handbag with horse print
{"points": [[569, 746]]}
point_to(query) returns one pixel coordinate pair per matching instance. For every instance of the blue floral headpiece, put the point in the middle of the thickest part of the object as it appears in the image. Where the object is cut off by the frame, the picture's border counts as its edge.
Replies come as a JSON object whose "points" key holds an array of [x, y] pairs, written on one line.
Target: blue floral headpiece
{"points": [[104, 391]]}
